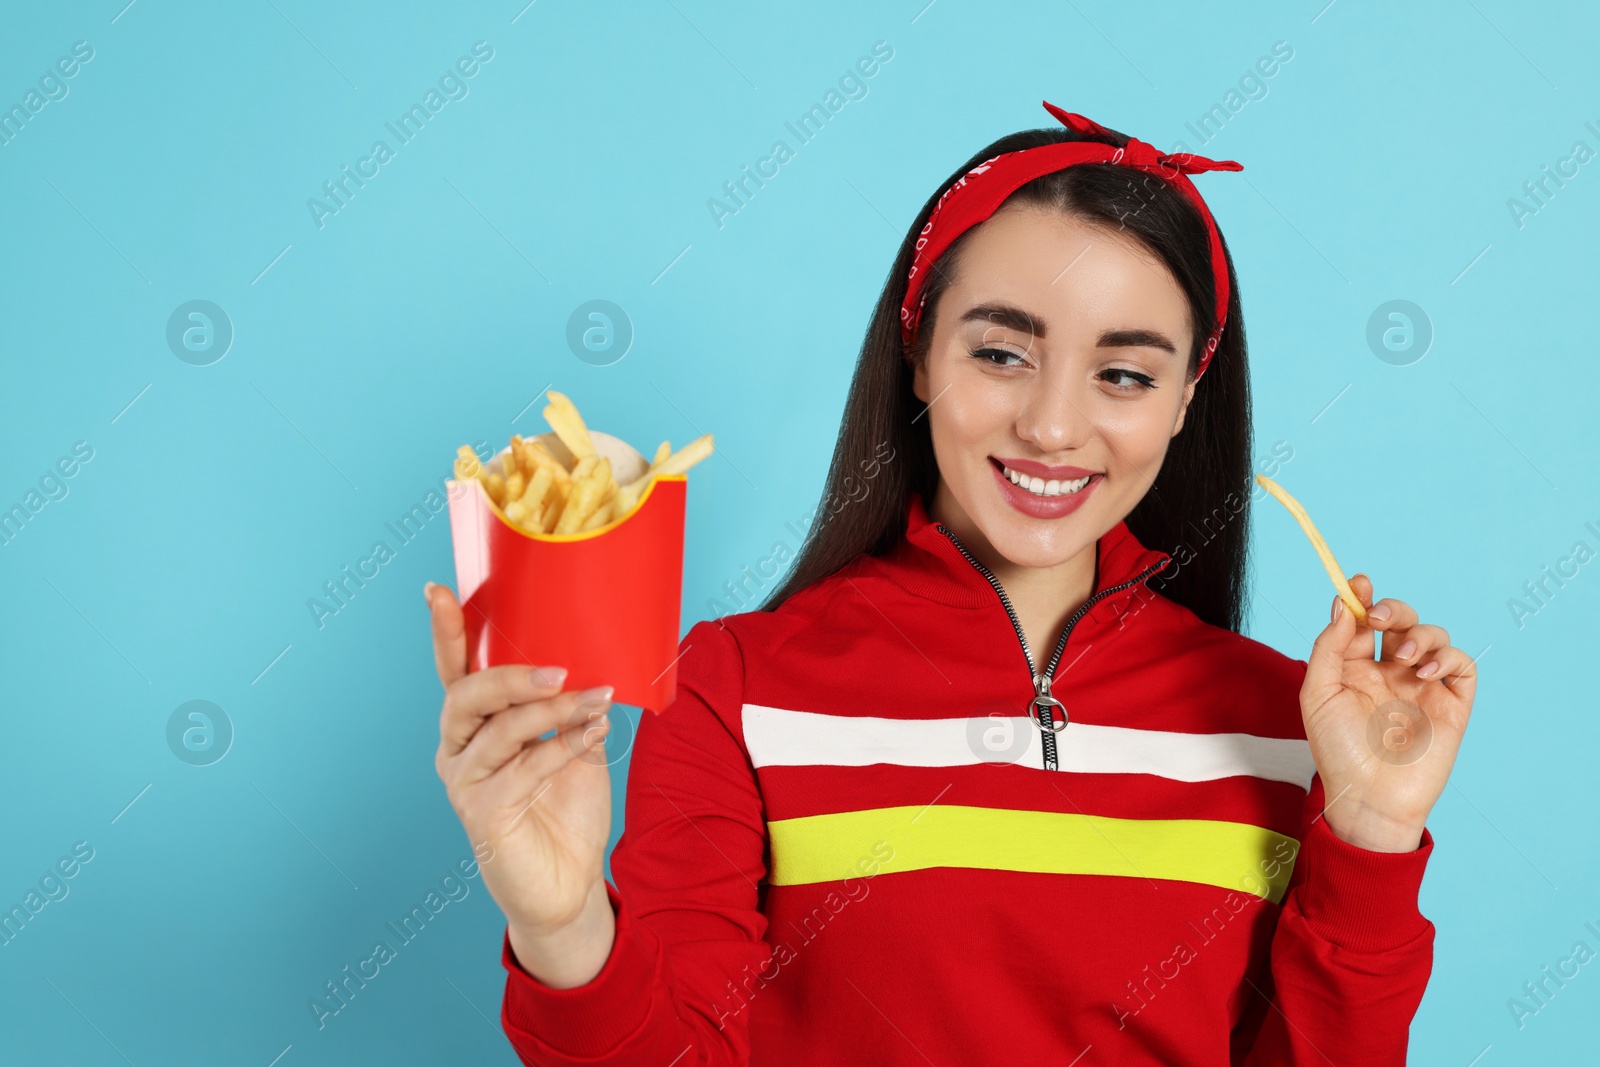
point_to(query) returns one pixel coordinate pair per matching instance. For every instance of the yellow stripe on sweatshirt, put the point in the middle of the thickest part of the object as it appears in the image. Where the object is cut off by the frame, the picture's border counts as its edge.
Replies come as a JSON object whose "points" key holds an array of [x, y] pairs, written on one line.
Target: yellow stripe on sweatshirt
{"points": [[1232, 855]]}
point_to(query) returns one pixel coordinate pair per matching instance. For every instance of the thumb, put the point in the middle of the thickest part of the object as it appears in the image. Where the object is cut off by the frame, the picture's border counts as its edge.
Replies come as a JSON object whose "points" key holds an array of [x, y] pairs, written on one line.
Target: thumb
{"points": [[1329, 652], [449, 633]]}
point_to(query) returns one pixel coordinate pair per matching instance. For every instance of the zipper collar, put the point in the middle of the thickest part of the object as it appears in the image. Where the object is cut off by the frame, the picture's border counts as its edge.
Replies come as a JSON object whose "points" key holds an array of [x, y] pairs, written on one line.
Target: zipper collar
{"points": [[928, 563], [1122, 564]]}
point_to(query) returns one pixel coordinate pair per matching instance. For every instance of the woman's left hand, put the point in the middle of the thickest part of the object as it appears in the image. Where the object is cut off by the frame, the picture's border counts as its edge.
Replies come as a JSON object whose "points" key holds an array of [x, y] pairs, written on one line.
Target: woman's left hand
{"points": [[1384, 732]]}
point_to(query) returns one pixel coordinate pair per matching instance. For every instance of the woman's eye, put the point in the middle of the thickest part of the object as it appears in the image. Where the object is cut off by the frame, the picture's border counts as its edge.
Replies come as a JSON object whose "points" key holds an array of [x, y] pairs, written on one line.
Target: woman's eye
{"points": [[1135, 380], [995, 356]]}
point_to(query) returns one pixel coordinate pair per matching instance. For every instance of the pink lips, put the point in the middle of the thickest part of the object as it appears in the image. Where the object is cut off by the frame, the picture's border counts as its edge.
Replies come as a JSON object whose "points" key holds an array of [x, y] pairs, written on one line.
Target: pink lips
{"points": [[1043, 507]]}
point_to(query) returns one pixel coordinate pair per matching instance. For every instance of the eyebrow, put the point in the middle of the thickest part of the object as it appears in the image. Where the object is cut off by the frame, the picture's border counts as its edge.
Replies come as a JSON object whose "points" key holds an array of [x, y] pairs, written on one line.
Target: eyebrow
{"points": [[1015, 318], [1007, 315]]}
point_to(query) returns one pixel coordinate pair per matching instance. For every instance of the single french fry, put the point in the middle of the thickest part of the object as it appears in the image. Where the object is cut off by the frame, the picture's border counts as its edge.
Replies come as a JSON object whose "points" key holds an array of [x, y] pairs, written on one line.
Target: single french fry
{"points": [[527, 459], [555, 502], [559, 483], [599, 479], [1335, 572], [532, 499], [496, 486], [663, 450], [584, 498], [687, 456], [541, 455], [598, 518], [564, 419], [554, 498], [538, 486], [628, 496], [558, 508], [513, 460], [550, 514], [516, 485], [467, 464], [541, 452]]}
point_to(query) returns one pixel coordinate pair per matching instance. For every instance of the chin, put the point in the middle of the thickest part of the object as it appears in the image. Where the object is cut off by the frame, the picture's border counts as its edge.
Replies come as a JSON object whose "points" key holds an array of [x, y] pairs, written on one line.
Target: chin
{"points": [[1031, 542]]}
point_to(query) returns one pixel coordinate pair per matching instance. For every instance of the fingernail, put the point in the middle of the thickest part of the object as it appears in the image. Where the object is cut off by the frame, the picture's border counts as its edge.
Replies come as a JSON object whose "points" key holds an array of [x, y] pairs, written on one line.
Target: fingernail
{"points": [[549, 676], [599, 694], [427, 592], [1380, 613], [1338, 609], [1428, 669], [1406, 651]]}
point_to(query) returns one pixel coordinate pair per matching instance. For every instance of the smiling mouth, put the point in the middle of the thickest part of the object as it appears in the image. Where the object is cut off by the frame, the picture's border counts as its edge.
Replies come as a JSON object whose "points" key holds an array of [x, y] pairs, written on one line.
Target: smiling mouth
{"points": [[1042, 487]]}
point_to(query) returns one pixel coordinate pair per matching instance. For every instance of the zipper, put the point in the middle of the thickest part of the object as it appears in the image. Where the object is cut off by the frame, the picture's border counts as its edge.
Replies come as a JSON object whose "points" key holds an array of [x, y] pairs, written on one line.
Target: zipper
{"points": [[1042, 703]]}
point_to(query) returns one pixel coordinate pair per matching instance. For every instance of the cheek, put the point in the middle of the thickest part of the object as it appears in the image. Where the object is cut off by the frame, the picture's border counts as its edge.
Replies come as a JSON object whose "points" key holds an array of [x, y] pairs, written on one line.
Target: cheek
{"points": [[1139, 434], [970, 411]]}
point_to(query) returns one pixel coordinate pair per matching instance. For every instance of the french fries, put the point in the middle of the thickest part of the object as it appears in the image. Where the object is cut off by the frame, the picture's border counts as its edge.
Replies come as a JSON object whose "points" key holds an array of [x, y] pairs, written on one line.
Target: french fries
{"points": [[539, 493], [564, 419], [1335, 572]]}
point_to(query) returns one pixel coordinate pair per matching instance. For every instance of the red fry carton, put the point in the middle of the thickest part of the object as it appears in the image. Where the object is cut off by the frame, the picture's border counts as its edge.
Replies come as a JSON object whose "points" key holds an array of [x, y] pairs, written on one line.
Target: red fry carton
{"points": [[604, 604]]}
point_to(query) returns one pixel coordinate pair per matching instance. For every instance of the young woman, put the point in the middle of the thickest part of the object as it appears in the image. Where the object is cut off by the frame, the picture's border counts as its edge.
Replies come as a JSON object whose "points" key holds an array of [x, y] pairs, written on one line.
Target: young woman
{"points": [[992, 775]]}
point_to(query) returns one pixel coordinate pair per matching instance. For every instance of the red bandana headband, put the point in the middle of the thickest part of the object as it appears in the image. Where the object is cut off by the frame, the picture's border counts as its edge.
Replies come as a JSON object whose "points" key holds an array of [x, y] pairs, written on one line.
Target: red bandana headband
{"points": [[979, 193]]}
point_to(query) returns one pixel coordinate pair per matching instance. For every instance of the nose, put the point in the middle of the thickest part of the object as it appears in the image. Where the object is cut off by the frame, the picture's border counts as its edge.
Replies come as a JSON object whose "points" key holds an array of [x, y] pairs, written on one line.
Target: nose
{"points": [[1053, 416]]}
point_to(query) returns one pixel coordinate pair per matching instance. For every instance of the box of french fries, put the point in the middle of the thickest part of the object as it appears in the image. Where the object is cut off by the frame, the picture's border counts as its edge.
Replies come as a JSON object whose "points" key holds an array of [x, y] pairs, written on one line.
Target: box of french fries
{"points": [[569, 553]]}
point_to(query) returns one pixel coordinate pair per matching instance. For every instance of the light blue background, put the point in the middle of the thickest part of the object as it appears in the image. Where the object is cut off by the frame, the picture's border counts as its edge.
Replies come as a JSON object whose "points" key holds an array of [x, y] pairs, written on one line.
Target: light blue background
{"points": [[433, 308]]}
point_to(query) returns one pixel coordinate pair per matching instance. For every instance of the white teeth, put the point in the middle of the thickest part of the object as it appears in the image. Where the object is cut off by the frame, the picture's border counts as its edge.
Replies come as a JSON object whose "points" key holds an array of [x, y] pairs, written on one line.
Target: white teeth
{"points": [[1040, 487]]}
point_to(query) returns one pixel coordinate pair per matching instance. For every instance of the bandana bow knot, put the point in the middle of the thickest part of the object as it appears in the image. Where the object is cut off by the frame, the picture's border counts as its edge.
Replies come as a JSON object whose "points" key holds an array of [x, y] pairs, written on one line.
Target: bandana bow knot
{"points": [[1137, 152]]}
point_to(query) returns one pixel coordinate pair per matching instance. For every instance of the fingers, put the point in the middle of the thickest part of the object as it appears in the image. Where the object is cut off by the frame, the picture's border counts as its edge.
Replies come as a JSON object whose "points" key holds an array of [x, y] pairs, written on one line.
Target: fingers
{"points": [[526, 775], [1457, 670], [1364, 643], [1442, 660], [507, 733], [1406, 640], [1423, 647], [1391, 616], [471, 699], [449, 633], [1412, 647], [1340, 642], [1458, 674]]}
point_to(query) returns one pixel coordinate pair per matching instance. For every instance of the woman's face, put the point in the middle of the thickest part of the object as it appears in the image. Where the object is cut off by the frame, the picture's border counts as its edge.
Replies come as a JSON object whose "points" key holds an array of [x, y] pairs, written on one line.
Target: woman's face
{"points": [[1060, 352]]}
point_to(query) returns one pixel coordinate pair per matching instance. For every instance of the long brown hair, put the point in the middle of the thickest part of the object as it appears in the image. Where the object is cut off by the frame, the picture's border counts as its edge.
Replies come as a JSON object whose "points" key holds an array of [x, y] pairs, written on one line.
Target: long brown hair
{"points": [[1203, 489]]}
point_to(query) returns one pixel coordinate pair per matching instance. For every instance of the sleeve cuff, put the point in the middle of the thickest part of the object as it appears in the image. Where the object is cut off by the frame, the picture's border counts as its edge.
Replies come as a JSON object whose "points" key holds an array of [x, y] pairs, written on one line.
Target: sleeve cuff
{"points": [[592, 1019], [1357, 898]]}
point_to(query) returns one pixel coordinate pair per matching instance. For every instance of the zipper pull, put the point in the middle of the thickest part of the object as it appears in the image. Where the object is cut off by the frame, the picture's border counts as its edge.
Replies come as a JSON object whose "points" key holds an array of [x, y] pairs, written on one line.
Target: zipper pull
{"points": [[1043, 702]]}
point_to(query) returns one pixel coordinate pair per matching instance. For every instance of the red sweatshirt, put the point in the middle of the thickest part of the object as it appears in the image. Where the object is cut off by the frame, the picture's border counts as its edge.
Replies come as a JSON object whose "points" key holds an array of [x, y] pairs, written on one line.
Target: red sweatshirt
{"points": [[847, 842]]}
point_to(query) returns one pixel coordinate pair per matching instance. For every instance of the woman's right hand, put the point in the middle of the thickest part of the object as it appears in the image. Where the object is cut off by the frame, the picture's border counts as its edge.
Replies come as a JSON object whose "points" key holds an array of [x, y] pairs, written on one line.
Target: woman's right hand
{"points": [[542, 807]]}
